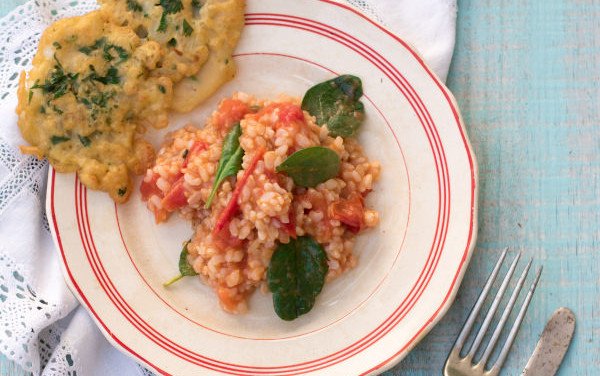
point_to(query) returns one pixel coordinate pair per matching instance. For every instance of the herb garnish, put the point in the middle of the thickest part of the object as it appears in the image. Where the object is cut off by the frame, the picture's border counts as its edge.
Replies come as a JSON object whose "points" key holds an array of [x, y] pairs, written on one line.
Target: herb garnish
{"points": [[111, 77], [162, 25], [172, 42], [196, 7], [169, 7], [134, 6], [121, 192], [162, 89], [230, 162], [107, 49], [85, 141], [311, 166], [336, 103], [187, 28], [185, 269], [296, 276], [59, 82], [89, 49], [58, 139], [56, 45]]}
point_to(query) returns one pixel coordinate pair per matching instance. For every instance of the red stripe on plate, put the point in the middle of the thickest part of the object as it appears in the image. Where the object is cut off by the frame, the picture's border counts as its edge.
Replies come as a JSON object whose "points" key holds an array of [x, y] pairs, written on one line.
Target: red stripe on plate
{"points": [[437, 245]]}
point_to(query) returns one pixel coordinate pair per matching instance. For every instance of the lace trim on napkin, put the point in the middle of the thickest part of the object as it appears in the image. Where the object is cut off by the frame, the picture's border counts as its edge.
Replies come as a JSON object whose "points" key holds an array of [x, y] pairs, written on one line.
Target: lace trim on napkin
{"points": [[21, 309]]}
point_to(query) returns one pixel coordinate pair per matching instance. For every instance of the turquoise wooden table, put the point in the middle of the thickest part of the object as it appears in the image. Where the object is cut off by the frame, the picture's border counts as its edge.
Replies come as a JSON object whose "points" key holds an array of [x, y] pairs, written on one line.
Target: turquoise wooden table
{"points": [[526, 76]]}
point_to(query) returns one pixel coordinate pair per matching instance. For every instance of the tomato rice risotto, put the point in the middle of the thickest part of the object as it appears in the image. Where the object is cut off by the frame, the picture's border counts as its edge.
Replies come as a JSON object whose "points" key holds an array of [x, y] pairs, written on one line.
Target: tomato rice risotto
{"points": [[256, 208]]}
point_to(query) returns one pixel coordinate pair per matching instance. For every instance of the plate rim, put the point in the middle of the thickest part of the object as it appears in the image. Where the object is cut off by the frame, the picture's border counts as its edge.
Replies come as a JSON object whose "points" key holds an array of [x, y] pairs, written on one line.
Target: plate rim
{"points": [[457, 279]]}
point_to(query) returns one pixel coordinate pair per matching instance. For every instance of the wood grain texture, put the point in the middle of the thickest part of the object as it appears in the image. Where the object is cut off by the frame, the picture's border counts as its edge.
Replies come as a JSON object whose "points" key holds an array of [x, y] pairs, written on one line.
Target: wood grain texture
{"points": [[526, 76]]}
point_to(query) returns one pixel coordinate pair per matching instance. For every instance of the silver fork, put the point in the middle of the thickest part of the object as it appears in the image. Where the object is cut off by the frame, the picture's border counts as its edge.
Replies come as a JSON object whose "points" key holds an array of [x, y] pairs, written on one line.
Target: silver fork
{"points": [[456, 365]]}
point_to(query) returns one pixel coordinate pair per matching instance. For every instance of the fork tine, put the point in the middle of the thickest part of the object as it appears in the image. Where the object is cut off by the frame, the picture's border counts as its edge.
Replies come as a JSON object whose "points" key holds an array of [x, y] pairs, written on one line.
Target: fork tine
{"points": [[505, 314], [460, 340], [494, 307], [517, 324]]}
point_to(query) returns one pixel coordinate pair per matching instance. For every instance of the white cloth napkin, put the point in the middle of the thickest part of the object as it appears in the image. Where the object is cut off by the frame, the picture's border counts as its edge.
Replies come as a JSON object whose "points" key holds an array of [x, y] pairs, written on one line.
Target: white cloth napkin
{"points": [[42, 326]]}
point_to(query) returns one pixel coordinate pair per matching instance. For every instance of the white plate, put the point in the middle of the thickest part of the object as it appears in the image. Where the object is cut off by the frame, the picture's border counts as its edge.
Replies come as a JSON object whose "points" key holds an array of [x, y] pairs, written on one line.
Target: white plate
{"points": [[115, 258]]}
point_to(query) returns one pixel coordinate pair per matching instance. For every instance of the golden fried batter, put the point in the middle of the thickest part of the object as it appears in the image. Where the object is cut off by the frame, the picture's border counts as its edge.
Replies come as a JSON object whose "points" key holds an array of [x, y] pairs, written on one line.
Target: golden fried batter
{"points": [[222, 21], [173, 24], [88, 97], [198, 38]]}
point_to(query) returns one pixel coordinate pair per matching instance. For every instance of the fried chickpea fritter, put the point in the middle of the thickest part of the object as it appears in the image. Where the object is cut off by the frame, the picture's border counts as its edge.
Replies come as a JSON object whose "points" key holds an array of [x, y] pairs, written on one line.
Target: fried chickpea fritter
{"points": [[87, 98], [198, 38], [222, 21]]}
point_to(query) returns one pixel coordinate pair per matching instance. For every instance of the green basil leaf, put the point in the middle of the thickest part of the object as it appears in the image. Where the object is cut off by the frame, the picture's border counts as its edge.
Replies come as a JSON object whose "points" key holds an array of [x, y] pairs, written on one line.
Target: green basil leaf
{"points": [[296, 276], [230, 162], [336, 103], [311, 166], [185, 269]]}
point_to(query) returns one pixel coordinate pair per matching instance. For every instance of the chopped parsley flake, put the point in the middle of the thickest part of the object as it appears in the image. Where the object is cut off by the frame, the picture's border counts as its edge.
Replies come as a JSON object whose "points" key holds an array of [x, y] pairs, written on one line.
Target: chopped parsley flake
{"points": [[187, 28], [85, 141], [171, 6], [107, 49], [111, 77], [58, 139], [172, 42], [58, 83], [162, 26], [89, 49], [134, 6]]}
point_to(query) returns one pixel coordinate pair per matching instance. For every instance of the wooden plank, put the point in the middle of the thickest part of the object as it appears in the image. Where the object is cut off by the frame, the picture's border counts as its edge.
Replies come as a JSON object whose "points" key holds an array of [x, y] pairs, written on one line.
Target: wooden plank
{"points": [[526, 77]]}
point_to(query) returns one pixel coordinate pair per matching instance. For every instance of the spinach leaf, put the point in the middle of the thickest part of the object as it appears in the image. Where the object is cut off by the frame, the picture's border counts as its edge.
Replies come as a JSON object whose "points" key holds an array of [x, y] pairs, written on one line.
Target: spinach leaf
{"points": [[185, 269], [311, 166], [296, 276], [230, 162], [336, 103]]}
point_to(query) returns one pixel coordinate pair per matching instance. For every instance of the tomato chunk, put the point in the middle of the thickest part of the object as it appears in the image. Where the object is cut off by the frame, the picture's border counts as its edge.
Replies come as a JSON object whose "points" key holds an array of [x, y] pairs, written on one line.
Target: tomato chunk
{"points": [[175, 198], [224, 240], [289, 113], [232, 205], [230, 112], [350, 212], [149, 188]]}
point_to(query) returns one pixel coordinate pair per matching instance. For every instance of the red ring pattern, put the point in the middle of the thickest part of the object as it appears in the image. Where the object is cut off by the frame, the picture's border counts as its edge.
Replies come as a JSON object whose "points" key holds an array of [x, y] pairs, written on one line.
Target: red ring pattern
{"points": [[391, 322], [280, 20], [384, 277]]}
